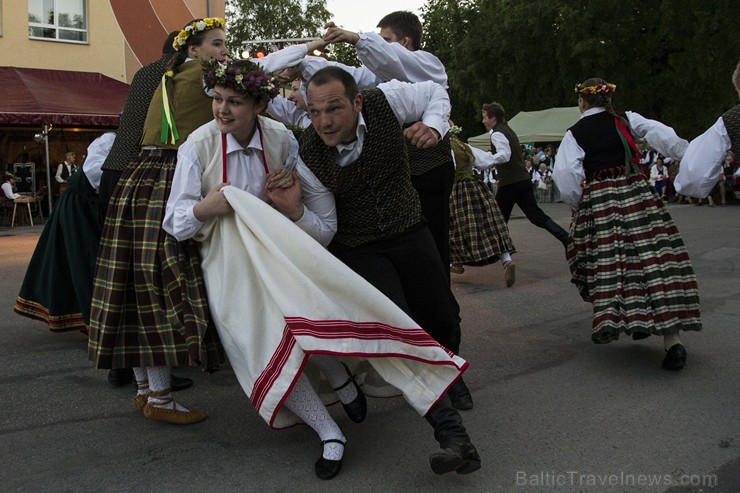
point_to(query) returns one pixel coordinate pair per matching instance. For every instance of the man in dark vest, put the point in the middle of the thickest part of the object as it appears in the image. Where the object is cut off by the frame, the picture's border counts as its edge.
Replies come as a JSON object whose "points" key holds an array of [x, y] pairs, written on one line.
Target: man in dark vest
{"points": [[514, 185], [356, 148], [125, 149]]}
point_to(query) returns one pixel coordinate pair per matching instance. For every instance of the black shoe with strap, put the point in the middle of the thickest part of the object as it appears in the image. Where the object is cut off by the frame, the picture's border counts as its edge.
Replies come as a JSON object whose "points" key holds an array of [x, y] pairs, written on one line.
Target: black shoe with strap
{"points": [[180, 383], [357, 409], [327, 468], [120, 376]]}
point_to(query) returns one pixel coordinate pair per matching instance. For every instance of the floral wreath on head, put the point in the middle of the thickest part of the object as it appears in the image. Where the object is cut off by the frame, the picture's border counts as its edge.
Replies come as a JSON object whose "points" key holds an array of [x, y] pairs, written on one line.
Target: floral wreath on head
{"points": [[605, 88], [245, 77], [195, 27]]}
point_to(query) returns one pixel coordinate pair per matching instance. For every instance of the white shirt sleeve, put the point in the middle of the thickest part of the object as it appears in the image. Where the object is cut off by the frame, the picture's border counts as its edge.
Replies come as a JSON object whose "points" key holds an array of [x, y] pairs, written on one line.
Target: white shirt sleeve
{"points": [[701, 165], [392, 61], [278, 60], [8, 189], [365, 78], [319, 218], [179, 220], [661, 137], [97, 151], [503, 149], [425, 101], [483, 159], [568, 171], [58, 176], [285, 111]]}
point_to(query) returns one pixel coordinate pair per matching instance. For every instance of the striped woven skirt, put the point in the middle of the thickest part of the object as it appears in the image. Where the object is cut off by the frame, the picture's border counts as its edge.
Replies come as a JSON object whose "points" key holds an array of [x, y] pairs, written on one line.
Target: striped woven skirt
{"points": [[478, 231], [149, 305], [628, 259]]}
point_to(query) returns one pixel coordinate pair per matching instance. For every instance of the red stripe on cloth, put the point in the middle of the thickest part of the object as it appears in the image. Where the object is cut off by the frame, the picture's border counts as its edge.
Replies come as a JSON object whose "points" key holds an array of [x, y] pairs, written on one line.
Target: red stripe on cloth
{"points": [[328, 329]]}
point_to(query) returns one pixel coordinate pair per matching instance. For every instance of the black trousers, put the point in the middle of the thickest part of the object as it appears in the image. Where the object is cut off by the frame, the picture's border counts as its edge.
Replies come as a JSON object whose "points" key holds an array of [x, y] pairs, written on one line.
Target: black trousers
{"points": [[521, 193], [407, 268], [108, 182], [434, 188]]}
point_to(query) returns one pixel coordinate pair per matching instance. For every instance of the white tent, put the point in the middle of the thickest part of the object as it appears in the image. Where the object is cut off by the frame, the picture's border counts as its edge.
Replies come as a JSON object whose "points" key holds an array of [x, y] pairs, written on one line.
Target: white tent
{"points": [[535, 126]]}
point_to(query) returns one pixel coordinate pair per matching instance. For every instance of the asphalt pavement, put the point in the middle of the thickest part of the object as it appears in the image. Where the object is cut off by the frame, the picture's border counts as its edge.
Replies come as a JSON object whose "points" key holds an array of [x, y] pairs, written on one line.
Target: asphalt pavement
{"points": [[553, 411]]}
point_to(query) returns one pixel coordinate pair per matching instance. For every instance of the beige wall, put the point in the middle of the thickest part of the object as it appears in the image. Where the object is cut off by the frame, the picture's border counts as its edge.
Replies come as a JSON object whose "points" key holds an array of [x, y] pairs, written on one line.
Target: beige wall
{"points": [[105, 53]]}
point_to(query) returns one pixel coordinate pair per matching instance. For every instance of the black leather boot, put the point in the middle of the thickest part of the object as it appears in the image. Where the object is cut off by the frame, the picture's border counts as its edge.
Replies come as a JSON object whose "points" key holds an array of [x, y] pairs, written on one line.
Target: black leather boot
{"points": [[459, 395], [554, 229], [456, 452]]}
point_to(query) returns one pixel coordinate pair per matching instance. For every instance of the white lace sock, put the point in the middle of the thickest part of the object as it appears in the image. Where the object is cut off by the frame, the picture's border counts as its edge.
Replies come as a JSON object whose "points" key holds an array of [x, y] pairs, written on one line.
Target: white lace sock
{"points": [[337, 376], [159, 384], [505, 258], [142, 381], [670, 340], [307, 405]]}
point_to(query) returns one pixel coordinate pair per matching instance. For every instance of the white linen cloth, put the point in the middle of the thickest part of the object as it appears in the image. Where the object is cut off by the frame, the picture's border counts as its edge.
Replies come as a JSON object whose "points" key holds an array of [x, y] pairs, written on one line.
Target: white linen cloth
{"points": [[277, 296]]}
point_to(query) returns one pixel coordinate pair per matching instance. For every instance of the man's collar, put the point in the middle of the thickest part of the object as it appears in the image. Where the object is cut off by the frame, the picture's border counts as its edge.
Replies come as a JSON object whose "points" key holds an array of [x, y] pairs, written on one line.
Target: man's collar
{"points": [[359, 133]]}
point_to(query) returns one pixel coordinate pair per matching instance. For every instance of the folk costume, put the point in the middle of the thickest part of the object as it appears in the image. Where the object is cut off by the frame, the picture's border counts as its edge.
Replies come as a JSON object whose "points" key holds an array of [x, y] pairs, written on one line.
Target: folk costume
{"points": [[57, 286], [478, 232], [260, 252], [149, 308], [626, 255]]}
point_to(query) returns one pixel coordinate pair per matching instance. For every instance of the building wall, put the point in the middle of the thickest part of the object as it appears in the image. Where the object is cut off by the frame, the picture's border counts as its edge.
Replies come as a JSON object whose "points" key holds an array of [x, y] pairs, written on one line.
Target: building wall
{"points": [[123, 35]]}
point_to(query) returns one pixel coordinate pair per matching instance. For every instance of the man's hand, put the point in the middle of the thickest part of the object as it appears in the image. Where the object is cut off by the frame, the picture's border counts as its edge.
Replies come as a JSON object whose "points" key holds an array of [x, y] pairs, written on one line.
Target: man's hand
{"points": [[288, 200], [421, 135], [279, 179], [214, 204], [334, 34], [289, 74]]}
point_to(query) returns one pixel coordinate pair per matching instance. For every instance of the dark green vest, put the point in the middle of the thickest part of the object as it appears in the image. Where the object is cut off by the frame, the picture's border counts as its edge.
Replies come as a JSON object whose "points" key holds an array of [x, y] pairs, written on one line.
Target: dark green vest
{"points": [[374, 195], [514, 170]]}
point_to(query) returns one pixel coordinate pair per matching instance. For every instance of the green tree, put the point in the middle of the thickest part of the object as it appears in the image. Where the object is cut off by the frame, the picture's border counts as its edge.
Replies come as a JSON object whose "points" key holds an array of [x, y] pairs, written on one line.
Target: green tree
{"points": [[277, 19], [671, 59]]}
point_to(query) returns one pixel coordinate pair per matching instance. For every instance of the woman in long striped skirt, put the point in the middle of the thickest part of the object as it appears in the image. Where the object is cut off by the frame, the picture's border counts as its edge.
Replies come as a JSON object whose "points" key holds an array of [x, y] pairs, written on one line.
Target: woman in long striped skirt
{"points": [[625, 253]]}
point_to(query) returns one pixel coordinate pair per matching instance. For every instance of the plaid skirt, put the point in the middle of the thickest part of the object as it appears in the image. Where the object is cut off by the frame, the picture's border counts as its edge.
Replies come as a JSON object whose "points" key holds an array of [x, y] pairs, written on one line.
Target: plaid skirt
{"points": [[149, 304], [627, 257], [478, 231]]}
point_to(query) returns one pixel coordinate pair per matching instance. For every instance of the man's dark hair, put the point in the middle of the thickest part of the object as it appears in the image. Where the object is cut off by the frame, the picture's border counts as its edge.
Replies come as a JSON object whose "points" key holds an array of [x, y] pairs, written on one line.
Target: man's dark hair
{"points": [[495, 110], [404, 23], [328, 74]]}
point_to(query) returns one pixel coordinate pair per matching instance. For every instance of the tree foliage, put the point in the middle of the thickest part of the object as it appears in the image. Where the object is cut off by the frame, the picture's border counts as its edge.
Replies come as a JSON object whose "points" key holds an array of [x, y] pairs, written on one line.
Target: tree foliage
{"points": [[276, 19], [671, 59]]}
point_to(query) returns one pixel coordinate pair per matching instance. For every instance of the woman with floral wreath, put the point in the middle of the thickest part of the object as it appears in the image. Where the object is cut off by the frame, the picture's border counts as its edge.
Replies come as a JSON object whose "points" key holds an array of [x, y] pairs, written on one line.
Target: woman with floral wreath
{"points": [[478, 232], [149, 309], [255, 260], [625, 253]]}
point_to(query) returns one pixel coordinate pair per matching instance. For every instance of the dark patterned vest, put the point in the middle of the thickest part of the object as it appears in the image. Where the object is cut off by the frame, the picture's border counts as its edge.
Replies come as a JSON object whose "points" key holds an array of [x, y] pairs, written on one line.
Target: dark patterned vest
{"points": [[731, 119], [373, 194], [597, 136], [512, 171], [126, 145], [423, 160]]}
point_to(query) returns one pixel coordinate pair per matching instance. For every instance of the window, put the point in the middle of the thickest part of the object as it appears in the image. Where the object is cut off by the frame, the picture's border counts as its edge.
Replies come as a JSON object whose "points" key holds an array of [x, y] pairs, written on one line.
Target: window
{"points": [[61, 20]]}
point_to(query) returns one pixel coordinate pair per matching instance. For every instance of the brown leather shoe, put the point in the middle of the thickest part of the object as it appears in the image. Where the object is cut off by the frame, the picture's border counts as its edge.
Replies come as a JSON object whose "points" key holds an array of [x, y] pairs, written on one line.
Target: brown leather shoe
{"points": [[139, 402], [510, 273], [173, 415]]}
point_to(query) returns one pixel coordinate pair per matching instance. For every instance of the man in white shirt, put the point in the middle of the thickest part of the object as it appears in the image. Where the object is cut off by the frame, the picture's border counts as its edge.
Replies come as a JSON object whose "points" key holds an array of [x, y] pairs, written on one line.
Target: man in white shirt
{"points": [[9, 186], [355, 148], [65, 169], [701, 165]]}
